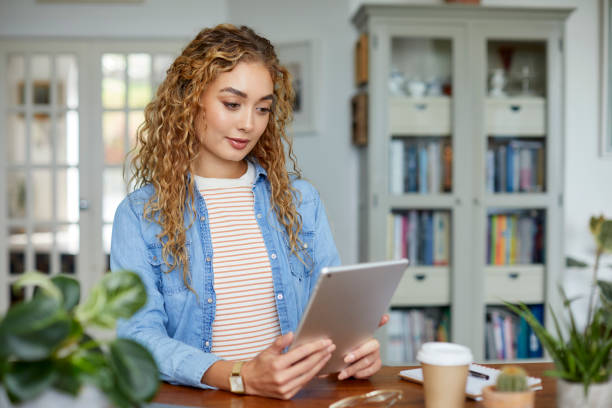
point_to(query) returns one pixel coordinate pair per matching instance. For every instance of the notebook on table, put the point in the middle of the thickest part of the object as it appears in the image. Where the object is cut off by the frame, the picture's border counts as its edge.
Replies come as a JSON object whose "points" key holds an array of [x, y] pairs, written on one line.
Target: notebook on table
{"points": [[474, 385]]}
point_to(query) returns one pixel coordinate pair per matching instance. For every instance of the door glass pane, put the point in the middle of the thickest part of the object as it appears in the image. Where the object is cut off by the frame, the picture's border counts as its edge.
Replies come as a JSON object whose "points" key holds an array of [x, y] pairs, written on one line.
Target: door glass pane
{"points": [[420, 92], [139, 74], [16, 138], [106, 236], [16, 80], [17, 193], [67, 136], [42, 195], [68, 195], [136, 118], [41, 144], [113, 81], [67, 81], [68, 247], [515, 115], [17, 244], [114, 192], [40, 71], [113, 131], [161, 63]]}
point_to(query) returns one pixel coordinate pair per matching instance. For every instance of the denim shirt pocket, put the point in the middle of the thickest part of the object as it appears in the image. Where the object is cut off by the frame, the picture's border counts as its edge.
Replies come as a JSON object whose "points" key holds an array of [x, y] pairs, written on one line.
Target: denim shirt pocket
{"points": [[301, 269], [171, 282]]}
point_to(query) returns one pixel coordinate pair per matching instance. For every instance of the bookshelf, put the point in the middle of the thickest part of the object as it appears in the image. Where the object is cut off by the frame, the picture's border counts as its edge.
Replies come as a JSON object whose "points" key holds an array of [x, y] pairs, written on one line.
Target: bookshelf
{"points": [[462, 170]]}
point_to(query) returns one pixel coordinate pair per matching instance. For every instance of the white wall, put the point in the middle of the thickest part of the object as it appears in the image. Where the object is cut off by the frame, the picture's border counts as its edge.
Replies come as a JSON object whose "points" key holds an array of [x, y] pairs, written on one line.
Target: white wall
{"points": [[151, 18], [327, 157]]}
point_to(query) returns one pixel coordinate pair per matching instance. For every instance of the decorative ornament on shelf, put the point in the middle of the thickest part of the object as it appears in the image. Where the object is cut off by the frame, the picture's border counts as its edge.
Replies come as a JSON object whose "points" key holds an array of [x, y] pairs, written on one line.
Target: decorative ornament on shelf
{"points": [[497, 83]]}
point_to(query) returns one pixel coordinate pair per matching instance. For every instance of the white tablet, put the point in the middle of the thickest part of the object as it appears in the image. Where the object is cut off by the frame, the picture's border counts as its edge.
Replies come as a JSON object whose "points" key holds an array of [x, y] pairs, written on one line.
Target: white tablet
{"points": [[346, 306]]}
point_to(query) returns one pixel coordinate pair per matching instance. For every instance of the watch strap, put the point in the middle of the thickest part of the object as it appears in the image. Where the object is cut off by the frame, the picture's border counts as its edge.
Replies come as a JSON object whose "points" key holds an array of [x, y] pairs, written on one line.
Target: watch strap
{"points": [[237, 367]]}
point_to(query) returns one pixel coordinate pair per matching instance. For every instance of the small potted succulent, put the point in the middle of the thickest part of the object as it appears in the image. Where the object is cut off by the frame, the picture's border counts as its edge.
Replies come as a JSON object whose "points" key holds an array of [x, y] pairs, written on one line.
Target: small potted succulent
{"points": [[510, 390], [48, 357]]}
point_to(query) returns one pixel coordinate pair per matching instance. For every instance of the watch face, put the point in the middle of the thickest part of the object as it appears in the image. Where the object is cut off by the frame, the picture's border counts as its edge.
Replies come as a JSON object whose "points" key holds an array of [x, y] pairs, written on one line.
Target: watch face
{"points": [[236, 383]]}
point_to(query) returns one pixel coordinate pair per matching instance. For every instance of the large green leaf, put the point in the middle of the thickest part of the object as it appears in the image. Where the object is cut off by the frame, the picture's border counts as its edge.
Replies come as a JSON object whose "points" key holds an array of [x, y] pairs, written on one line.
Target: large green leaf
{"points": [[33, 330], [26, 380], [70, 289], [68, 377], [117, 295], [135, 369], [604, 236], [42, 281]]}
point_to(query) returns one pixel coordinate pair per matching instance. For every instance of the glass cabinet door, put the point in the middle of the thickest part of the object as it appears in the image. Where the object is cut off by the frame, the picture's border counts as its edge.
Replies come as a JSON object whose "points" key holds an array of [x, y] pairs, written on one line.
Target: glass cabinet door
{"points": [[420, 155], [515, 185]]}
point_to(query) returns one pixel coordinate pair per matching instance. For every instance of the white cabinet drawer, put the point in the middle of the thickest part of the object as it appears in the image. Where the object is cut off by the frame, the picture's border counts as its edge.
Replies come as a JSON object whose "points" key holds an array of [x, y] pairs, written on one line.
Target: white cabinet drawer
{"points": [[514, 283], [516, 116], [423, 286], [420, 116]]}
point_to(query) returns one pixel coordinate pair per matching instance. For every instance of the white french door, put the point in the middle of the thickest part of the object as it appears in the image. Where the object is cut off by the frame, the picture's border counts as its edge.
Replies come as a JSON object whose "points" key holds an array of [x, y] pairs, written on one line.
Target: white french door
{"points": [[69, 111]]}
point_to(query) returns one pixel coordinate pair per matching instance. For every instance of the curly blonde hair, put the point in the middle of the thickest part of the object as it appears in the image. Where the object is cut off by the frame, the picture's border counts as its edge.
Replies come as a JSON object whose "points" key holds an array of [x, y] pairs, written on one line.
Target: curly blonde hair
{"points": [[167, 145]]}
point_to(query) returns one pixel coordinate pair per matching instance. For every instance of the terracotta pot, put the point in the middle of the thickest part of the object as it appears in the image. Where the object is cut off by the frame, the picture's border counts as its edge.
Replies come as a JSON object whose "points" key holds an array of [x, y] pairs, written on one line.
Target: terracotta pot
{"points": [[496, 399], [571, 395]]}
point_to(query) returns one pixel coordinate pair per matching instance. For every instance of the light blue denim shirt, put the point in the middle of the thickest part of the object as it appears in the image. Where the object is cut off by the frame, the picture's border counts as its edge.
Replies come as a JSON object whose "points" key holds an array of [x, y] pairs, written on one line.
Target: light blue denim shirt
{"points": [[175, 325]]}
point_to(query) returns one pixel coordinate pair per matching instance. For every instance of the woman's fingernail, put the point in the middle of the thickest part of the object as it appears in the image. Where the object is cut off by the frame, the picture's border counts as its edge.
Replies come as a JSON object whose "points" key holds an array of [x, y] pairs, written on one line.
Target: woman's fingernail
{"points": [[349, 358], [331, 348], [342, 375]]}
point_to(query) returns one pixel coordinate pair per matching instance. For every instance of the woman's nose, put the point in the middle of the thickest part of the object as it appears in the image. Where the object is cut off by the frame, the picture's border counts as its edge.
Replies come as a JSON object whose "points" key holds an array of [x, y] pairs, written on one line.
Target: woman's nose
{"points": [[246, 121]]}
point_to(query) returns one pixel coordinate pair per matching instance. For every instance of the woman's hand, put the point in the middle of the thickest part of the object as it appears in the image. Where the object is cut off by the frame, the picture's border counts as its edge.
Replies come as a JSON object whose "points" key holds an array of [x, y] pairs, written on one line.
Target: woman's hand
{"points": [[365, 360], [278, 375]]}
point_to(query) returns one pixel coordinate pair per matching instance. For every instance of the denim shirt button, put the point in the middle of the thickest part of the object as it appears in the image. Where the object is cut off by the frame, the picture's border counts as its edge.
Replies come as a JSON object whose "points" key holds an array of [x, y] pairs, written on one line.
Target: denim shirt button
{"points": [[209, 300], [280, 296], [208, 259], [207, 343], [202, 218], [259, 215], [273, 256]]}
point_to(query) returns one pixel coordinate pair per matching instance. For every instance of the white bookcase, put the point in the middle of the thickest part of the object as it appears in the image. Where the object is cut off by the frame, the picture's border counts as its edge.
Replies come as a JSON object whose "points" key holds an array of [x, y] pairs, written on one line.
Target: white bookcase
{"points": [[493, 154]]}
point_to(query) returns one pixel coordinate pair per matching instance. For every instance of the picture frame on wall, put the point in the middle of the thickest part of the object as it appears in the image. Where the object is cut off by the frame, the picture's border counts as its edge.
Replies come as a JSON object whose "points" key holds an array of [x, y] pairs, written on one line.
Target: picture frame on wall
{"points": [[361, 60], [298, 58]]}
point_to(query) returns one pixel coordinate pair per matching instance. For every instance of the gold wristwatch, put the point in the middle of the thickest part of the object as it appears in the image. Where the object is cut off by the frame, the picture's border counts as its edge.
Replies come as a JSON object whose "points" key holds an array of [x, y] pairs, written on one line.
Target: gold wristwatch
{"points": [[236, 383]]}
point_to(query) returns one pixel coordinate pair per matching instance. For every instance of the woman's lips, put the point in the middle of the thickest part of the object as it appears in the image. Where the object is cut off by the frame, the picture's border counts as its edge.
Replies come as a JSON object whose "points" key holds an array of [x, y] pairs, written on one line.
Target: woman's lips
{"points": [[238, 143]]}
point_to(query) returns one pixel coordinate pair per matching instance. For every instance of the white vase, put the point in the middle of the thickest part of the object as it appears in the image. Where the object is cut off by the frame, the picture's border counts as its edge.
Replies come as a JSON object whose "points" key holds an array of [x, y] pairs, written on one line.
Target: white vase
{"points": [[89, 397], [571, 395]]}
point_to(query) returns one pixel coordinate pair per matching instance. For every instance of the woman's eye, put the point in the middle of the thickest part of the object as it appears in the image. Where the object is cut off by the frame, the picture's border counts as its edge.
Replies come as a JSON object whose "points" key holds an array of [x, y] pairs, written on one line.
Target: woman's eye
{"points": [[231, 105], [265, 110]]}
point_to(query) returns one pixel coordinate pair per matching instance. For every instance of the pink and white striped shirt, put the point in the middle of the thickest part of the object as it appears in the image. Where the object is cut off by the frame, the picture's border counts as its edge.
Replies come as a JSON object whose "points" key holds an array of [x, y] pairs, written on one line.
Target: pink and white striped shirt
{"points": [[246, 320]]}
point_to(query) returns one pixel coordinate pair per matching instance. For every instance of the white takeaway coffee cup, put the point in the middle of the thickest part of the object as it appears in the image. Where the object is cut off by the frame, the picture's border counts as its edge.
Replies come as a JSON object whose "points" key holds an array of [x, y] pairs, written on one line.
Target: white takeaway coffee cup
{"points": [[445, 369]]}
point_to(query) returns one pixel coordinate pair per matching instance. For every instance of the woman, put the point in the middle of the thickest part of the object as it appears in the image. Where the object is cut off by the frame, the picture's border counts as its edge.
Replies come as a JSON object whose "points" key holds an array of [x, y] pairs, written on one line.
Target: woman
{"points": [[227, 242]]}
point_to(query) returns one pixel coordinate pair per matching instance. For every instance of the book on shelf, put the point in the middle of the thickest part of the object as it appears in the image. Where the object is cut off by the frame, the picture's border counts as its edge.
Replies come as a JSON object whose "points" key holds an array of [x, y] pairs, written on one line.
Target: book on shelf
{"points": [[420, 165], [423, 236], [515, 238], [509, 337], [515, 166], [408, 329]]}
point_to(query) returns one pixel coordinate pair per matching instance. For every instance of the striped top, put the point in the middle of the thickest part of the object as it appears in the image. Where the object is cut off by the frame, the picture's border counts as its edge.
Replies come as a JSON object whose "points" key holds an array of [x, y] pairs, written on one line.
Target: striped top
{"points": [[246, 320]]}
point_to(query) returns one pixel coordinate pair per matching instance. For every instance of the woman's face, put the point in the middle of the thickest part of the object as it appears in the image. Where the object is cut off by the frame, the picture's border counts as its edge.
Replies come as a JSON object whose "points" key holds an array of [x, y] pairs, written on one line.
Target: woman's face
{"points": [[234, 113]]}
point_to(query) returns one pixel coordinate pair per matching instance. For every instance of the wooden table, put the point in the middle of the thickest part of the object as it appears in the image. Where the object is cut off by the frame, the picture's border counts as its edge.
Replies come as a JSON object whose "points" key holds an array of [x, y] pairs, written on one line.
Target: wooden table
{"points": [[321, 392]]}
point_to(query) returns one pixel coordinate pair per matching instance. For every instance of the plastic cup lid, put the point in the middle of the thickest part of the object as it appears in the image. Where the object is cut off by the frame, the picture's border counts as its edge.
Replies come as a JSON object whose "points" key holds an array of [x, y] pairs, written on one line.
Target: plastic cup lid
{"points": [[445, 354]]}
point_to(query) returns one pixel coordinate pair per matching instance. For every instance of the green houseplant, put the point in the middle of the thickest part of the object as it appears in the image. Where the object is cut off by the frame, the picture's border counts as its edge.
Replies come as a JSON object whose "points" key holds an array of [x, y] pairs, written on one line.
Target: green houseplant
{"points": [[509, 391], [582, 356], [44, 344]]}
